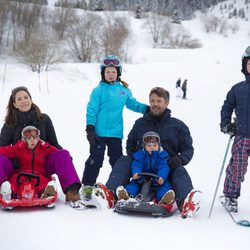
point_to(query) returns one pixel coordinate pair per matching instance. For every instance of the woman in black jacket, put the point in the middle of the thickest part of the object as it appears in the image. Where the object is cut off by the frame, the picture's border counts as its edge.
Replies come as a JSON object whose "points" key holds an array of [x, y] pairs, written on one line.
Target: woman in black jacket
{"points": [[22, 112]]}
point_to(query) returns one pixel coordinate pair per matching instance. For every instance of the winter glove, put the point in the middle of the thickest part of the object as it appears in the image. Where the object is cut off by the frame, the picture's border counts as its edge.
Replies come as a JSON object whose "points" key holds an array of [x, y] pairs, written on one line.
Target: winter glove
{"points": [[91, 134], [175, 162], [229, 129]]}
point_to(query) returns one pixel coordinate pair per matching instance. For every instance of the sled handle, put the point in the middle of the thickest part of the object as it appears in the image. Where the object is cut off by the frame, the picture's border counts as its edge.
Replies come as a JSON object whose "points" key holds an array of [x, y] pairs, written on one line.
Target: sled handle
{"points": [[29, 176], [149, 175]]}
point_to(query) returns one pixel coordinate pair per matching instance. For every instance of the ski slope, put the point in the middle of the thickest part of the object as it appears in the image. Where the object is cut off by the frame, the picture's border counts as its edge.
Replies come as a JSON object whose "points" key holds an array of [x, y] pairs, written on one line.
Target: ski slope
{"points": [[211, 71]]}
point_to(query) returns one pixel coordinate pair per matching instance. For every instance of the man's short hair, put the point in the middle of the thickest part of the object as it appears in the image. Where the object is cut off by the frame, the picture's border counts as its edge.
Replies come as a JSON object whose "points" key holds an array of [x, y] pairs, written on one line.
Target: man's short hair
{"points": [[161, 92]]}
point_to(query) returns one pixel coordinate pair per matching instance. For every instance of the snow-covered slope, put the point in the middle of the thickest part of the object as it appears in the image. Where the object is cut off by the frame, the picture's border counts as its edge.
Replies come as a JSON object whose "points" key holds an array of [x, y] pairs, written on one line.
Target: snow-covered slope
{"points": [[211, 71]]}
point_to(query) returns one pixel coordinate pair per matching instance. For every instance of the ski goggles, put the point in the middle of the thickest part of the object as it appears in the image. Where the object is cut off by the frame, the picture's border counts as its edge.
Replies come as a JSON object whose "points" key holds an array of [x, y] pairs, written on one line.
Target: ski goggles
{"points": [[31, 132], [111, 62], [151, 139]]}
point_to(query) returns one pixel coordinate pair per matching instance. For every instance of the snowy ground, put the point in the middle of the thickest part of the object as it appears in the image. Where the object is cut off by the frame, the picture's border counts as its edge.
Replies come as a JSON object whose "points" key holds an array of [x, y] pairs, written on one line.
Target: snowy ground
{"points": [[211, 71]]}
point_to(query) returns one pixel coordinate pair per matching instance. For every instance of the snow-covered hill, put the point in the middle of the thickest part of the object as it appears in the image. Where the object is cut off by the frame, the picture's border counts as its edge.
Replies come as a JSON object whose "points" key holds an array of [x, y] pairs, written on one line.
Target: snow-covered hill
{"points": [[211, 71]]}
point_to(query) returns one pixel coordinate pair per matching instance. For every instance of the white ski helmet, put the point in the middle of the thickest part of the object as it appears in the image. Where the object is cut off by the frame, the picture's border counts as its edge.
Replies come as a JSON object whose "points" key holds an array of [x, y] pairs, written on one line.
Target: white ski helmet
{"points": [[245, 58], [151, 137], [29, 131]]}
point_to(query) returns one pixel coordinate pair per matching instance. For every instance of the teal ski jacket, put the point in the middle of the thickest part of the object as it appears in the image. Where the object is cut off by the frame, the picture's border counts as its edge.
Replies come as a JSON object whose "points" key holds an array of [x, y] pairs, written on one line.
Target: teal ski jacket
{"points": [[105, 107]]}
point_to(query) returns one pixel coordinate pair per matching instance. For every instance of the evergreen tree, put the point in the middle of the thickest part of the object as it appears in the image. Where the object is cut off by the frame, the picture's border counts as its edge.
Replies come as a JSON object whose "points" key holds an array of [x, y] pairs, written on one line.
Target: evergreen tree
{"points": [[235, 13], [176, 18], [99, 5], [138, 12]]}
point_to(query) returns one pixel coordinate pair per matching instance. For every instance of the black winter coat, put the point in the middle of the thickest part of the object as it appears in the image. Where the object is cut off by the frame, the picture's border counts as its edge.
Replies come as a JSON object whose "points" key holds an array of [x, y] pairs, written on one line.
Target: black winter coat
{"points": [[238, 100], [174, 134], [10, 135]]}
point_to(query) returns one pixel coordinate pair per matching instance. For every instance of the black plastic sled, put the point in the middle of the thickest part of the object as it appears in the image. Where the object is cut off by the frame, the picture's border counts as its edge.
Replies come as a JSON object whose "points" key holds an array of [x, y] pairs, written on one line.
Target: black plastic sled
{"points": [[144, 203]]}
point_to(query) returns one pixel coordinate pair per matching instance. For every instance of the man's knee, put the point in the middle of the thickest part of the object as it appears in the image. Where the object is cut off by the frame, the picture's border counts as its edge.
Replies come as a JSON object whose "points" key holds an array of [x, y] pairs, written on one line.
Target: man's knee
{"points": [[120, 173]]}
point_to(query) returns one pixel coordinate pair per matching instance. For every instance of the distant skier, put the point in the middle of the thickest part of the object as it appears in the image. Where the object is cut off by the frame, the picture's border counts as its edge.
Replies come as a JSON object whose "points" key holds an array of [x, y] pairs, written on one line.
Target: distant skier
{"points": [[184, 89], [178, 83], [238, 101], [105, 122], [178, 88]]}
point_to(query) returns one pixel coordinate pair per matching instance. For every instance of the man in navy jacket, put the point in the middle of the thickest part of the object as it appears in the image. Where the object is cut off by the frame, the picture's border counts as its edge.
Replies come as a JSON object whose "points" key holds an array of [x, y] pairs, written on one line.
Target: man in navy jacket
{"points": [[176, 140]]}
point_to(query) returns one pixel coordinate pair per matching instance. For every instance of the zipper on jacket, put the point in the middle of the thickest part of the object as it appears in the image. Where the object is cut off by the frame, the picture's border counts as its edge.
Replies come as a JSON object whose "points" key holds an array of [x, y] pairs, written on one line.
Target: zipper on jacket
{"points": [[33, 160], [150, 162]]}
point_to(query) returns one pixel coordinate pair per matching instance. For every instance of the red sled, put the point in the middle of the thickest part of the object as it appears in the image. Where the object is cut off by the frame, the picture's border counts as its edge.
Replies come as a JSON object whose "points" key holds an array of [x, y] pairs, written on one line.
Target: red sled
{"points": [[28, 195]]}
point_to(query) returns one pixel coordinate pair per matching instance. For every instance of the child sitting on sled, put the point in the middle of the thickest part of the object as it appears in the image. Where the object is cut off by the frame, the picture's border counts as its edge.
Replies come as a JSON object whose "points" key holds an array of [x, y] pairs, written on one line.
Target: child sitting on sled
{"points": [[31, 153], [151, 159]]}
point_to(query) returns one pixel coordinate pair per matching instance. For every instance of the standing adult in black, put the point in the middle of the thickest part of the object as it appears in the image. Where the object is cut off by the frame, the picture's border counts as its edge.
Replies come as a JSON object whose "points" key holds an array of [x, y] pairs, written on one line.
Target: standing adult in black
{"points": [[178, 83], [184, 89]]}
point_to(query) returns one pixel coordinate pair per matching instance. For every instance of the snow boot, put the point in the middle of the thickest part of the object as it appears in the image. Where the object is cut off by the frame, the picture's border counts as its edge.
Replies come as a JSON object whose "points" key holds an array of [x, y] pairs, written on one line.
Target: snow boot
{"points": [[50, 190], [87, 193], [231, 204], [122, 193], [168, 198], [88, 198], [102, 191], [191, 204], [6, 191], [73, 199]]}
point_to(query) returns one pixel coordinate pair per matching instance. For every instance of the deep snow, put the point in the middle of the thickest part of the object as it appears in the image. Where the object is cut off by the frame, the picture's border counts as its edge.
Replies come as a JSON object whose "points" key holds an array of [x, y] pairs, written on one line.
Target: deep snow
{"points": [[211, 71]]}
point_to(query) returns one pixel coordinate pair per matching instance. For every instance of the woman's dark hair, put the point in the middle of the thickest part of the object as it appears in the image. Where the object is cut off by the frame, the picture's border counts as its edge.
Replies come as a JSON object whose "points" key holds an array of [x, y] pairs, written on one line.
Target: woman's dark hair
{"points": [[11, 116], [161, 92]]}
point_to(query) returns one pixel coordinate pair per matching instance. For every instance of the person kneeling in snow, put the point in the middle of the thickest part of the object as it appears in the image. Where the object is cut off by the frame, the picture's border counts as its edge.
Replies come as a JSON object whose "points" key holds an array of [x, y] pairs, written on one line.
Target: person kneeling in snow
{"points": [[151, 159], [31, 153]]}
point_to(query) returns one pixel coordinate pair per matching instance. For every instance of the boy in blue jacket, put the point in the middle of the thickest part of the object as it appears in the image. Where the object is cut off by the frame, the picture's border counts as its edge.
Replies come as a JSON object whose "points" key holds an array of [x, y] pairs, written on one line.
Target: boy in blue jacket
{"points": [[151, 159], [105, 121]]}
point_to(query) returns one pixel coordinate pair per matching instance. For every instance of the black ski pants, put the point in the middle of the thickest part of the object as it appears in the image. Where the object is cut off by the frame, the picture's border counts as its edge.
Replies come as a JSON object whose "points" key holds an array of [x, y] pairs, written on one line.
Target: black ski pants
{"points": [[95, 160]]}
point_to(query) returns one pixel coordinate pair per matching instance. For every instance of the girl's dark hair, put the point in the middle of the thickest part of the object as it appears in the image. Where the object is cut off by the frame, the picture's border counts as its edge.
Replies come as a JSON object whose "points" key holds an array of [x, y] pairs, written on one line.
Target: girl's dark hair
{"points": [[161, 92], [11, 116]]}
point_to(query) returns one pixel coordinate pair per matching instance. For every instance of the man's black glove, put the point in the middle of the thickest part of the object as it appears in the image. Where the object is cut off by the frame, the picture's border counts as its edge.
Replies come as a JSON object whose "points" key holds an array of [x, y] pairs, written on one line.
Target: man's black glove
{"points": [[229, 129], [175, 162], [91, 134]]}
